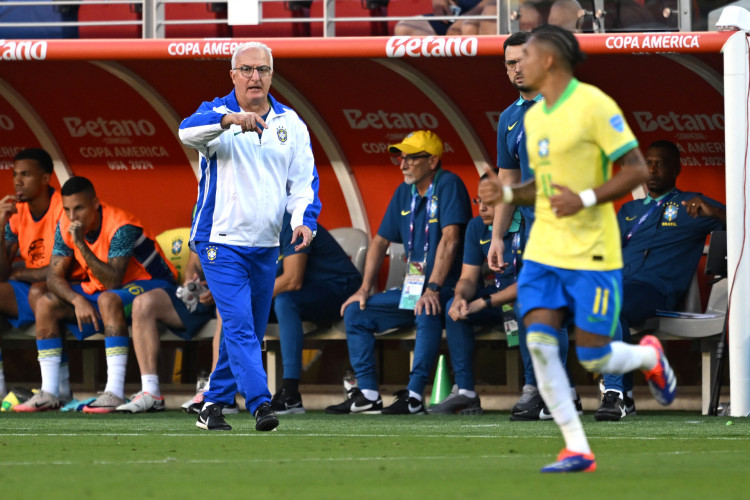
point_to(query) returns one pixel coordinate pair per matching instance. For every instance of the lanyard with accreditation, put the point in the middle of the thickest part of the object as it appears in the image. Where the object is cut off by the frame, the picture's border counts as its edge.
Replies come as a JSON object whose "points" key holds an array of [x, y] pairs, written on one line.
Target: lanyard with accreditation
{"points": [[415, 277]]}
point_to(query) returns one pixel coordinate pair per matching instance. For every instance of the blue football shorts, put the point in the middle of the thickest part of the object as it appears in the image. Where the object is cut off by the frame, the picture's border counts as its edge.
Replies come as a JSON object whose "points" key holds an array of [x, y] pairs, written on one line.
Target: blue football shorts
{"points": [[594, 298], [127, 294]]}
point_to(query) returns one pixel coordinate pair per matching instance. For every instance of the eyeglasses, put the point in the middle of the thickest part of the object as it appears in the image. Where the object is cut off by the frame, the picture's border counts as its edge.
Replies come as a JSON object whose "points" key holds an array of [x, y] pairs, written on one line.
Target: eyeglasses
{"points": [[511, 64], [248, 71], [411, 159]]}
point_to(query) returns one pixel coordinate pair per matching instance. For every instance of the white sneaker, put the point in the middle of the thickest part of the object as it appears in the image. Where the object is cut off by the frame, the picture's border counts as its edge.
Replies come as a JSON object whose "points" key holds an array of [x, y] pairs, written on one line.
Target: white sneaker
{"points": [[105, 403], [194, 404], [141, 403], [42, 401]]}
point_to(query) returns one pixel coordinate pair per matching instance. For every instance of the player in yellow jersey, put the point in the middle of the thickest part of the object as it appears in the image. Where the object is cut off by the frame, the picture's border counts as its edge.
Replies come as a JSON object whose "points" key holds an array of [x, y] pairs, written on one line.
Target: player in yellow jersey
{"points": [[572, 262]]}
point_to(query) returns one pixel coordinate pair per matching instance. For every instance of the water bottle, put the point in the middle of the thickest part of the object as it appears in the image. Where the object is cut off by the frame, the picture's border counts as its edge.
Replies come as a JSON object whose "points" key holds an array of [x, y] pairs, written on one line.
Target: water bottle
{"points": [[511, 325]]}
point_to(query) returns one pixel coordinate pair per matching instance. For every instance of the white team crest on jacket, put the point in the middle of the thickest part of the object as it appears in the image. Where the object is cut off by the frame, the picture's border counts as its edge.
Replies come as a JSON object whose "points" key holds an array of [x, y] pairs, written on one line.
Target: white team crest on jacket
{"points": [[281, 134]]}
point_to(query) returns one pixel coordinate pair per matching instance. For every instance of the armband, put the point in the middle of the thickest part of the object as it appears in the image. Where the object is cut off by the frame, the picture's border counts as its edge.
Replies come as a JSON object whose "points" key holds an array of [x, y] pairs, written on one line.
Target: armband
{"points": [[588, 198], [507, 194]]}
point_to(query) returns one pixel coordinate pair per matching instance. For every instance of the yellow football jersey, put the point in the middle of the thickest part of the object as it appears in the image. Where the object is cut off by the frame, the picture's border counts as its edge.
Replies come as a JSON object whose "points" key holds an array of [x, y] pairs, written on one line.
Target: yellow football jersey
{"points": [[573, 144]]}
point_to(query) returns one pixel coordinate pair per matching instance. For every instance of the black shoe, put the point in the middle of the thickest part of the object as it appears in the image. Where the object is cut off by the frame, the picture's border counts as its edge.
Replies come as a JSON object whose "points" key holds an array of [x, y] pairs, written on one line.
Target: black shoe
{"points": [[404, 405], [533, 409], [287, 403], [356, 403], [611, 409], [265, 418], [211, 419], [629, 405], [529, 399]]}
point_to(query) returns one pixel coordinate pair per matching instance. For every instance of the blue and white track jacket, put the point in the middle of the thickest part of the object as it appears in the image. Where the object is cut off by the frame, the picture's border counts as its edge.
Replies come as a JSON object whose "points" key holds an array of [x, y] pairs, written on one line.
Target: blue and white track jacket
{"points": [[248, 180]]}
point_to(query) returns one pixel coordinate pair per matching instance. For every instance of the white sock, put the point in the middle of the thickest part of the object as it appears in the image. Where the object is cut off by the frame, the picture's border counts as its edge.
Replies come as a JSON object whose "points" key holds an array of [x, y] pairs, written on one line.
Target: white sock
{"points": [[628, 357], [469, 394], [150, 384], [64, 382], [50, 367], [116, 366], [370, 394], [414, 395], [553, 385]]}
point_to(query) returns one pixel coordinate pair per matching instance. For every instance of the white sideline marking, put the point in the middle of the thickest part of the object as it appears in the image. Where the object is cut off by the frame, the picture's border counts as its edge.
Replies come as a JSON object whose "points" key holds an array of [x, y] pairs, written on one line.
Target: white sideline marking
{"points": [[411, 458], [230, 434]]}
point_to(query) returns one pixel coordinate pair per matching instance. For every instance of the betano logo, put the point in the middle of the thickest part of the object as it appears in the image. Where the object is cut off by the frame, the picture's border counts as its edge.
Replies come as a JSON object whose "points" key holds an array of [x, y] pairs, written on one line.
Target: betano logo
{"points": [[358, 119], [672, 121], [430, 46], [17, 50], [108, 128]]}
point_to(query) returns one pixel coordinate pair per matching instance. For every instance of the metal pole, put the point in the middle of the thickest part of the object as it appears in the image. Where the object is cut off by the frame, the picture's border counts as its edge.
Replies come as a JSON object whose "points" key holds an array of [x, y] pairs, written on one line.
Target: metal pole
{"points": [[736, 70]]}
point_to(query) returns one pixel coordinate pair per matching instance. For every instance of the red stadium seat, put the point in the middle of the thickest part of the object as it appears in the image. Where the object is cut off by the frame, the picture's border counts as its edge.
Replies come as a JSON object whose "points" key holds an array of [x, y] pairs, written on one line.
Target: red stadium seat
{"points": [[209, 12], [352, 8], [89, 12], [276, 10]]}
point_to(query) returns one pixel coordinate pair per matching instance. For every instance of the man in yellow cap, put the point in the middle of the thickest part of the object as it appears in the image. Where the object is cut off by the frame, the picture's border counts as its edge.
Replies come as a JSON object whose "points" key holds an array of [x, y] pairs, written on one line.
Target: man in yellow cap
{"points": [[427, 213]]}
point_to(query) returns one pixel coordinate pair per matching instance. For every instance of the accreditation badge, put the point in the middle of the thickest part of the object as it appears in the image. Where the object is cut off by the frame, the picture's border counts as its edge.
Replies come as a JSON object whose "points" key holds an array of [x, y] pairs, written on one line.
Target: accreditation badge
{"points": [[413, 286]]}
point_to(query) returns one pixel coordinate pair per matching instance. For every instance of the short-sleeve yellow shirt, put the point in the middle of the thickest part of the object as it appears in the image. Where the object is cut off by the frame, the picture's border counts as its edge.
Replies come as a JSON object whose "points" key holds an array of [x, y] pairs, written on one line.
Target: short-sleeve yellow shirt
{"points": [[573, 144]]}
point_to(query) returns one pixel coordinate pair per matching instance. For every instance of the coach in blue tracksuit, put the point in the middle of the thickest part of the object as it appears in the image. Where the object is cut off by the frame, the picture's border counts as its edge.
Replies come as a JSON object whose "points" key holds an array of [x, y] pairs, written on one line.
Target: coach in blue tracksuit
{"points": [[311, 284], [256, 164], [427, 213]]}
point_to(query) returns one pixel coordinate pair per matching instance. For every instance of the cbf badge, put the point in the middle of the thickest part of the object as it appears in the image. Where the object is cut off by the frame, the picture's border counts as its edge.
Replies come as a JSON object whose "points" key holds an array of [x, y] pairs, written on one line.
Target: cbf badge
{"points": [[177, 246], [211, 253], [670, 212], [413, 286], [433, 208], [543, 146], [281, 134]]}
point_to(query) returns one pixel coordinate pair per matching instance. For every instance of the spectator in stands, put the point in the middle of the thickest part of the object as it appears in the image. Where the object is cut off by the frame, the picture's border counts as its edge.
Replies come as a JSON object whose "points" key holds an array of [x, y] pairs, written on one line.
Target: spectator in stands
{"points": [[29, 218], [530, 15], [422, 26], [663, 236], [566, 14], [513, 164], [478, 301], [45, 16], [172, 307], [311, 284], [427, 213], [256, 163], [121, 260]]}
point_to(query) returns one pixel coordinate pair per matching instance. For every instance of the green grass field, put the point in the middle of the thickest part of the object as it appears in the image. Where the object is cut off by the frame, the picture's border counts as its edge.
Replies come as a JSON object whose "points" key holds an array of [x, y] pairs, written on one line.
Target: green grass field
{"points": [[653, 455]]}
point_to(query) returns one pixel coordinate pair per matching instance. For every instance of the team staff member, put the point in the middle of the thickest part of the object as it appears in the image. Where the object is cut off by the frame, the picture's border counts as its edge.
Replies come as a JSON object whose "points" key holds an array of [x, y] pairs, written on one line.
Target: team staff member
{"points": [[477, 303], [256, 163], [572, 262], [311, 284], [29, 218], [121, 259], [427, 213], [663, 236], [513, 165]]}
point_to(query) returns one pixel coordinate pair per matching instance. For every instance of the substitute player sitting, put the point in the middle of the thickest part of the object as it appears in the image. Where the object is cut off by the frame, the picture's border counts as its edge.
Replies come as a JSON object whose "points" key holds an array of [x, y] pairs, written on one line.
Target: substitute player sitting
{"points": [[121, 260], [572, 262], [29, 218]]}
